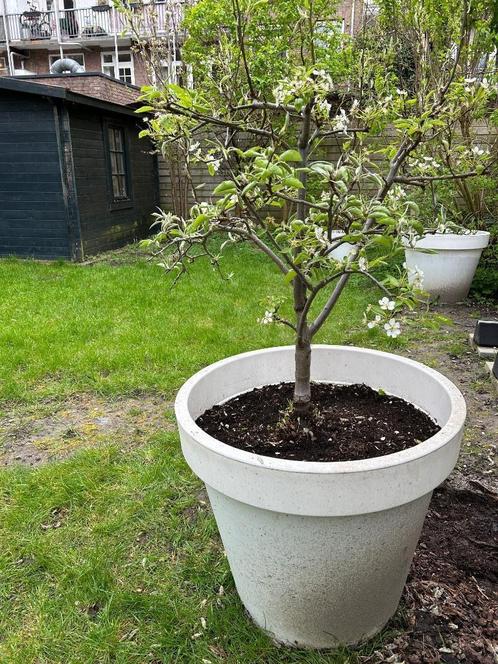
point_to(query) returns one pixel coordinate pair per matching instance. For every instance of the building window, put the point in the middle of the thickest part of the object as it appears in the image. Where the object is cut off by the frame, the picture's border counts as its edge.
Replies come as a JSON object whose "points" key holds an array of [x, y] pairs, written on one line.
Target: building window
{"points": [[79, 57], [118, 163], [175, 72], [124, 69]]}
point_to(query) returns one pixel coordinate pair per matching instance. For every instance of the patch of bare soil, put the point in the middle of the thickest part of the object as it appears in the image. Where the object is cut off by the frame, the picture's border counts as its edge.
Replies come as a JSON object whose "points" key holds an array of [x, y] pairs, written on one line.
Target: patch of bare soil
{"points": [[33, 435], [450, 603], [449, 610], [449, 352]]}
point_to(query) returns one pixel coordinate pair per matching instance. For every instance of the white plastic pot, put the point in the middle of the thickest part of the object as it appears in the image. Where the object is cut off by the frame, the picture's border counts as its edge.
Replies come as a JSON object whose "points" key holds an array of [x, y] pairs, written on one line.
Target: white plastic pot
{"points": [[448, 273], [320, 551], [343, 250]]}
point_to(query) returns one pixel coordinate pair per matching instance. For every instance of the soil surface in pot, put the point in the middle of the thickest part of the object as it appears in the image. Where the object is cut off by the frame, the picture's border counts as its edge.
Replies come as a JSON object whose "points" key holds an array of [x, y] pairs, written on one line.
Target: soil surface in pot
{"points": [[347, 422]]}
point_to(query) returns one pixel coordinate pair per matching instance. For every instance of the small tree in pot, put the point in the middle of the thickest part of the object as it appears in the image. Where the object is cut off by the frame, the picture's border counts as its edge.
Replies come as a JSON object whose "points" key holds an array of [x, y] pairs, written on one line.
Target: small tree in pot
{"points": [[278, 86], [283, 194]]}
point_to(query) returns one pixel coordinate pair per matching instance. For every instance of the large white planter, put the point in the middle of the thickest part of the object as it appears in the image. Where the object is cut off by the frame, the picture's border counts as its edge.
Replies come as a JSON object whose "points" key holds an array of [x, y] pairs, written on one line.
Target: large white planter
{"points": [[320, 551], [448, 273], [343, 250]]}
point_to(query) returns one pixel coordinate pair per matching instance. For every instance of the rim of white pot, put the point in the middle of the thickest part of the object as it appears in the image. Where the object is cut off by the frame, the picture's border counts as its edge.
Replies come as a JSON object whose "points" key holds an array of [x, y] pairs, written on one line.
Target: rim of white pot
{"points": [[453, 241], [450, 429], [310, 488]]}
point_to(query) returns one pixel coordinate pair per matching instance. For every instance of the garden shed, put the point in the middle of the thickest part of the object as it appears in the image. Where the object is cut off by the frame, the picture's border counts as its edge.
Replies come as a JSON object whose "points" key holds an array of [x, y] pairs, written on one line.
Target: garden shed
{"points": [[75, 178]]}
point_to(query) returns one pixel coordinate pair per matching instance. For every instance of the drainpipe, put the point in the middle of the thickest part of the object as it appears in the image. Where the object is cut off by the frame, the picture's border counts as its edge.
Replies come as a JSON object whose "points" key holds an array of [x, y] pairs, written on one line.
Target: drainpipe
{"points": [[58, 28], [7, 39], [116, 49], [353, 16]]}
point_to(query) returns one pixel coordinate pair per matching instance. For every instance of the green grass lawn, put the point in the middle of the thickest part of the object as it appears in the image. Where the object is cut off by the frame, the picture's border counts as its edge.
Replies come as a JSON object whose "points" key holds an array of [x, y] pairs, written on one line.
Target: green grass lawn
{"points": [[117, 329], [111, 556]]}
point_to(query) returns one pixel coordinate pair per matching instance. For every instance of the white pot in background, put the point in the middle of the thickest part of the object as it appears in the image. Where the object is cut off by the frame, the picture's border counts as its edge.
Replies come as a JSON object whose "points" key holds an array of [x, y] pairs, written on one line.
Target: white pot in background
{"points": [[320, 551], [343, 250], [448, 273]]}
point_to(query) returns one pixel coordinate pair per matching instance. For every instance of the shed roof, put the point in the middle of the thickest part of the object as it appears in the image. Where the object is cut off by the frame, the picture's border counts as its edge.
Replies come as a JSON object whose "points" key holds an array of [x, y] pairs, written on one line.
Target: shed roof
{"points": [[58, 92], [92, 84]]}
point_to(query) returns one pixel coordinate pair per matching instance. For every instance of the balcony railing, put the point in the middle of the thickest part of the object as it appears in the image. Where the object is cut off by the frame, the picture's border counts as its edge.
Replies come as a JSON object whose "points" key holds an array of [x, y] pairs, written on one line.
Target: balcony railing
{"points": [[156, 18]]}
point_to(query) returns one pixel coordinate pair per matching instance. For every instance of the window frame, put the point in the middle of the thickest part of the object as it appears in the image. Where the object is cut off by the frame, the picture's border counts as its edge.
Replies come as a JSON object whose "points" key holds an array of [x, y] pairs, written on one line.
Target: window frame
{"points": [[118, 203], [129, 65]]}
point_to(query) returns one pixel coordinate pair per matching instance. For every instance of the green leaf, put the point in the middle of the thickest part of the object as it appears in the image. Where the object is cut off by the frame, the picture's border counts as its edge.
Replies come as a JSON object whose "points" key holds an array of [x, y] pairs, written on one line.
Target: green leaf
{"points": [[183, 95], [289, 276], [145, 109], [290, 155], [293, 182], [249, 187], [198, 221], [226, 187]]}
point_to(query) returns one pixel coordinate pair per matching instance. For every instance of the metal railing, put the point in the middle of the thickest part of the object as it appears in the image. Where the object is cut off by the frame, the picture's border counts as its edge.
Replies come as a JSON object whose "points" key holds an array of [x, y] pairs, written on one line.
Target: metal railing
{"points": [[89, 23]]}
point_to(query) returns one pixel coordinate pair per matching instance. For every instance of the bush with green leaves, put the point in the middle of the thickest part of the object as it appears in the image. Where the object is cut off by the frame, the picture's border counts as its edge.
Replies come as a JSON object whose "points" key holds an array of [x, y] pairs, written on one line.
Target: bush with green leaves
{"points": [[275, 81]]}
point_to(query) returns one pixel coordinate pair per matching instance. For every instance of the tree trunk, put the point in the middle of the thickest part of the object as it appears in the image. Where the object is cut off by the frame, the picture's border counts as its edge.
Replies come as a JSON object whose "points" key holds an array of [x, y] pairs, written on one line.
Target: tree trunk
{"points": [[302, 388]]}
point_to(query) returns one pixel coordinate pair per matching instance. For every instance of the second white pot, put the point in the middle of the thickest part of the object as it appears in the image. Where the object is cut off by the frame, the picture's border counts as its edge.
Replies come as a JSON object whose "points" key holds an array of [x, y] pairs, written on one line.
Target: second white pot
{"points": [[320, 551], [343, 250], [448, 272]]}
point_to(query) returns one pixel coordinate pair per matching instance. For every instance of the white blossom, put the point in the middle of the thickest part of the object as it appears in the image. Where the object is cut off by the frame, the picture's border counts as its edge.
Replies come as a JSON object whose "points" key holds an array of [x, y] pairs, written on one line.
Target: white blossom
{"points": [[397, 193], [216, 163], [425, 164], [373, 323], [321, 235], [341, 122], [322, 108], [479, 152], [386, 304], [267, 318], [392, 328], [416, 276], [363, 264]]}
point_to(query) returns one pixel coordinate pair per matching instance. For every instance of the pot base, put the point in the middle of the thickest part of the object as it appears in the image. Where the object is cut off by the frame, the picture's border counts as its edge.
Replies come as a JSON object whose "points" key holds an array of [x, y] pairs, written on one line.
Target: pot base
{"points": [[319, 582]]}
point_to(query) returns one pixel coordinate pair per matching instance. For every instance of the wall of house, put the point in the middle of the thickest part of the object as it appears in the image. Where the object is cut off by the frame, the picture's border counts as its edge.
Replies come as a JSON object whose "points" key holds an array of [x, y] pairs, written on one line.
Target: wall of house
{"points": [[33, 220], [351, 12], [103, 226], [38, 61]]}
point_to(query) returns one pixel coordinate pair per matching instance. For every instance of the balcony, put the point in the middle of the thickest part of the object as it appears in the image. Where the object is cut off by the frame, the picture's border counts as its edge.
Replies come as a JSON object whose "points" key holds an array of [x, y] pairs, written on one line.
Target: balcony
{"points": [[39, 29]]}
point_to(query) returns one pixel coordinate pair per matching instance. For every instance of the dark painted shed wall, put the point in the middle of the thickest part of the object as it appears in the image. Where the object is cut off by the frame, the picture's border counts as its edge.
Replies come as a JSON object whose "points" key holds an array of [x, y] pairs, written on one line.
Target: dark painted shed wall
{"points": [[36, 219], [32, 211], [103, 227]]}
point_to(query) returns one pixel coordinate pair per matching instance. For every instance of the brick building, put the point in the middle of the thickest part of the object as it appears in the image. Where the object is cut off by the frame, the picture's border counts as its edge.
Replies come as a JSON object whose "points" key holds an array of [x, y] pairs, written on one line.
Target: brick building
{"points": [[35, 33]]}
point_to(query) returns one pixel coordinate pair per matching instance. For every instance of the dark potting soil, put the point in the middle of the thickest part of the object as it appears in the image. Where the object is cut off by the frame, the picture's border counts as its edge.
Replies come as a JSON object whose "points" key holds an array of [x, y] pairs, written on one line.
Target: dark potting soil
{"points": [[347, 422], [450, 603]]}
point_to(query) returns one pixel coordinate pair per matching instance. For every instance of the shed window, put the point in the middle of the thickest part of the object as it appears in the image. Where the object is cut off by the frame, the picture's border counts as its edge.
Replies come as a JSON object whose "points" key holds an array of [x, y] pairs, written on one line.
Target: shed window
{"points": [[119, 171]]}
